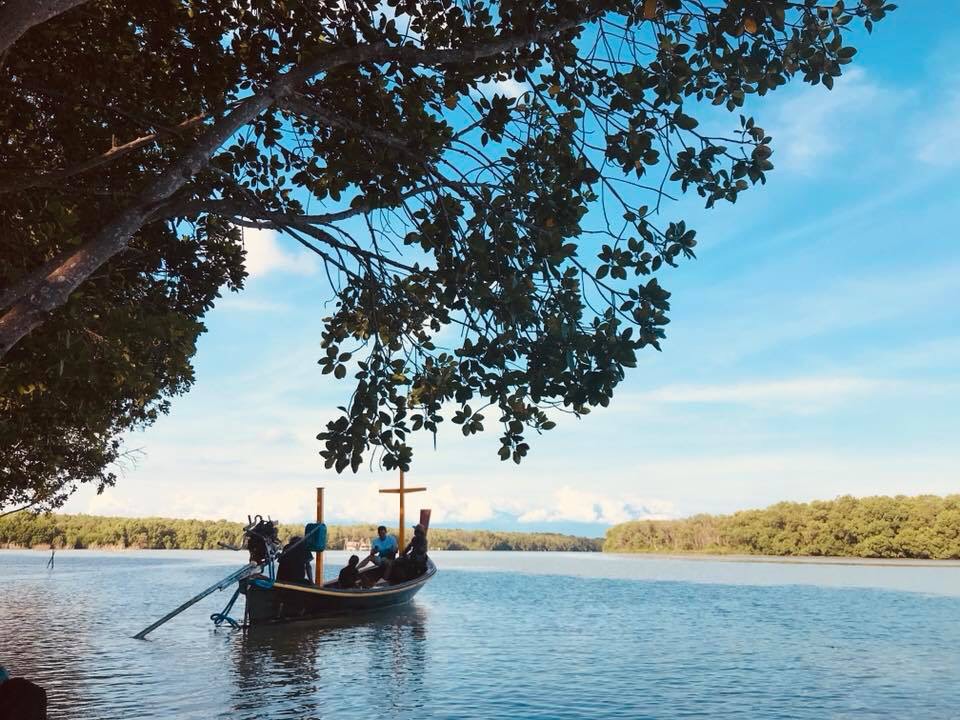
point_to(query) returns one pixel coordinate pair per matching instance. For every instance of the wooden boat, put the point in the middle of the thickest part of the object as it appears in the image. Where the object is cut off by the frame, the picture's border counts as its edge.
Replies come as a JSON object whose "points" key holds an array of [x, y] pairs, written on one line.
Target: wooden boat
{"points": [[277, 602], [269, 601]]}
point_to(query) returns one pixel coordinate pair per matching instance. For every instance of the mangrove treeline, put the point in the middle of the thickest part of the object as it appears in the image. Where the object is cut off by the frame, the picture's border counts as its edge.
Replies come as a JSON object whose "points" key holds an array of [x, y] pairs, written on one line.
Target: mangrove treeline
{"points": [[92, 531], [925, 526]]}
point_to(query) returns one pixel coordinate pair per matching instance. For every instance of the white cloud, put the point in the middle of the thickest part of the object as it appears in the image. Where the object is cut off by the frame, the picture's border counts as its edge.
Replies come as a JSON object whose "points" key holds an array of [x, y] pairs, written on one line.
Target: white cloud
{"points": [[572, 505], [725, 483], [281, 484], [508, 88], [265, 255]]}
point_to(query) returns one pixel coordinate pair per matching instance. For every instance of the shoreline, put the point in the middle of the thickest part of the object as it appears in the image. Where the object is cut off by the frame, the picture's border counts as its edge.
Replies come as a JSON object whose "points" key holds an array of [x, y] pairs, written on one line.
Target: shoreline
{"points": [[697, 557], [793, 559]]}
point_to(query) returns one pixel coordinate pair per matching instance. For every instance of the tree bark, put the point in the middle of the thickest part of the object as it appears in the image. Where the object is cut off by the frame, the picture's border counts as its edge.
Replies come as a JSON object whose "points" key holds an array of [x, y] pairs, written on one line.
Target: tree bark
{"points": [[18, 16]]}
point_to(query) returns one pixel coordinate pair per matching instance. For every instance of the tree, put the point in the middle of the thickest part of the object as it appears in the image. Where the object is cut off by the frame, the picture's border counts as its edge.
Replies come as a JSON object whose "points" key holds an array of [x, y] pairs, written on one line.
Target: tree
{"points": [[925, 526], [139, 137]]}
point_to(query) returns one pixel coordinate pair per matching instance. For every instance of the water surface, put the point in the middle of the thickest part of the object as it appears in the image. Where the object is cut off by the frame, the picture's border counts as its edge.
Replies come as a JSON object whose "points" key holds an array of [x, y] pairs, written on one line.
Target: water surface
{"points": [[496, 635]]}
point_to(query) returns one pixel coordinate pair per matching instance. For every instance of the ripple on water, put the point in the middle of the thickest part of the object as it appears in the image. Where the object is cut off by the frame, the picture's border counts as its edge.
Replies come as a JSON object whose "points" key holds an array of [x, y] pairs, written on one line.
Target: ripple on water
{"points": [[560, 637]]}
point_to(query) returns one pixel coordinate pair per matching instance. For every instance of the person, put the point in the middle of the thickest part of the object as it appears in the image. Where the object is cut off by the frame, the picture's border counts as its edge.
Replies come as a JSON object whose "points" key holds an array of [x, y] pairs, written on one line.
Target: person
{"points": [[350, 576], [413, 560], [295, 562], [383, 549], [21, 699]]}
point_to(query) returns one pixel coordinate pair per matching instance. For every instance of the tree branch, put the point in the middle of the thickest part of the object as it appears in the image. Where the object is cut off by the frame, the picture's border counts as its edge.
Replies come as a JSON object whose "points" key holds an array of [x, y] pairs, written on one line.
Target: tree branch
{"points": [[55, 288], [111, 155], [300, 105]]}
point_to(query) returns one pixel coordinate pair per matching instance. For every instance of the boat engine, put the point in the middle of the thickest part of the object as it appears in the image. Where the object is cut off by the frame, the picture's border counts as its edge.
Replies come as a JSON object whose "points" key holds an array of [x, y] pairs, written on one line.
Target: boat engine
{"points": [[263, 542]]}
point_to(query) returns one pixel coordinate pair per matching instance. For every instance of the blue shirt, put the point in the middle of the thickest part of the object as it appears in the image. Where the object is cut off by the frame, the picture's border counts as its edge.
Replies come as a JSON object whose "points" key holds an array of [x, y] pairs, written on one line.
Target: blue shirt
{"points": [[384, 547]]}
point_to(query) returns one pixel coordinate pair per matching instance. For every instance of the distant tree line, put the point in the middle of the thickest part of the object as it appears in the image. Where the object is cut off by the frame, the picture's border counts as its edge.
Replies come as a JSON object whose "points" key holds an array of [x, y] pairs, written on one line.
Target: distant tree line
{"points": [[27, 530], [925, 526]]}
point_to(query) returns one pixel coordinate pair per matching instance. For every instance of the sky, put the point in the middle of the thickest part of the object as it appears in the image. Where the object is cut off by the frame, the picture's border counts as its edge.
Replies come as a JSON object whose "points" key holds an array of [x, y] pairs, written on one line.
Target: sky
{"points": [[813, 350]]}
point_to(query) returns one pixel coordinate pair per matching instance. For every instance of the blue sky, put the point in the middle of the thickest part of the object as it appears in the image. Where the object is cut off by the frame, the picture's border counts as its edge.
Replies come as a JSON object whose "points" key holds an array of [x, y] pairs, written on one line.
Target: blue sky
{"points": [[814, 348]]}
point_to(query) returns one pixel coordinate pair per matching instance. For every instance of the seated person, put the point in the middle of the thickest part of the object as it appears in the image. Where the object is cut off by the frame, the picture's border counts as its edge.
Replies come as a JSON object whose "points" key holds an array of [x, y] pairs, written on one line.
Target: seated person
{"points": [[383, 549], [294, 563], [413, 561], [350, 576]]}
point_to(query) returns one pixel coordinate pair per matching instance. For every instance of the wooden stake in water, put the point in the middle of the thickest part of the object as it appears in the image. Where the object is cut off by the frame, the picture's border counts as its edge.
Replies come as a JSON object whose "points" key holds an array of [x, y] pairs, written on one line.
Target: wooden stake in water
{"points": [[402, 491]]}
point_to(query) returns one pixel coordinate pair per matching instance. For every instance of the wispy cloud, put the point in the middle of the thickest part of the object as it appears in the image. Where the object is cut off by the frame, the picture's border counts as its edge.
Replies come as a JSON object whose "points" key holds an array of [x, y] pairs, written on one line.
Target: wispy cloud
{"points": [[811, 125], [778, 316], [938, 135], [804, 394], [241, 303]]}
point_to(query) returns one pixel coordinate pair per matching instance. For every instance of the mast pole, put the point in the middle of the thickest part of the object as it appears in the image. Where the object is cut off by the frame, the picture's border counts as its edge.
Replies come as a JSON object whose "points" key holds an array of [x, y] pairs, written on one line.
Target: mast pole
{"points": [[402, 493], [318, 575]]}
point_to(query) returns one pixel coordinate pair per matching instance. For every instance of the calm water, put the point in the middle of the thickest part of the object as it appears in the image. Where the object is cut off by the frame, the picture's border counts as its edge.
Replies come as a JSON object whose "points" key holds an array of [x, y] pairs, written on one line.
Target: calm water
{"points": [[496, 635]]}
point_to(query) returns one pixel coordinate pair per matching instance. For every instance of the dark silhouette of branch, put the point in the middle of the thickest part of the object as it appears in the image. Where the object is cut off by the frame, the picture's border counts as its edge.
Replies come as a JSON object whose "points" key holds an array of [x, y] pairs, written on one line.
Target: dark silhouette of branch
{"points": [[112, 155]]}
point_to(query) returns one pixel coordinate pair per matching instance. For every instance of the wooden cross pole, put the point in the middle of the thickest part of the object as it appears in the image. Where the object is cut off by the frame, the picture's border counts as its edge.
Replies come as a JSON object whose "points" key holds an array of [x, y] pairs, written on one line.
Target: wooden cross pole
{"points": [[318, 573], [402, 491]]}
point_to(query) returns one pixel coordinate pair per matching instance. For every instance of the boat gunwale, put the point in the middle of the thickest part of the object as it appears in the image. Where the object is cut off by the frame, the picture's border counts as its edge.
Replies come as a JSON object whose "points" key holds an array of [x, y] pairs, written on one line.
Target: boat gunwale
{"points": [[359, 592]]}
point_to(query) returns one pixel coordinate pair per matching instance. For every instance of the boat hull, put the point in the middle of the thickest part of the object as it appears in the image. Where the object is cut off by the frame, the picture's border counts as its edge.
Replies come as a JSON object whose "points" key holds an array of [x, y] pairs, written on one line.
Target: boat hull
{"points": [[287, 602]]}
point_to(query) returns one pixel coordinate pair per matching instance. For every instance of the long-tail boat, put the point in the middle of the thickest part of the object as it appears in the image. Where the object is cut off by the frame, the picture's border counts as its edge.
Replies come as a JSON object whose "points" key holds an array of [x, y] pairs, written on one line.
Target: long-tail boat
{"points": [[273, 601], [278, 602], [269, 600]]}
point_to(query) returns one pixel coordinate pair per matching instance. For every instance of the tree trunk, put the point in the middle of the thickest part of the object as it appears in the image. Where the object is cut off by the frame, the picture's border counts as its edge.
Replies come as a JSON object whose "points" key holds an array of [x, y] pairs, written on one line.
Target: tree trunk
{"points": [[18, 16], [52, 290]]}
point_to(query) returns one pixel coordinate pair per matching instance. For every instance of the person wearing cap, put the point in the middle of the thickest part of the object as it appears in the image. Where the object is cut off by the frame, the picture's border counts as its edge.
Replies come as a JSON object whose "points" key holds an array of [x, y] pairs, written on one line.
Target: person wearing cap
{"points": [[413, 560], [21, 699]]}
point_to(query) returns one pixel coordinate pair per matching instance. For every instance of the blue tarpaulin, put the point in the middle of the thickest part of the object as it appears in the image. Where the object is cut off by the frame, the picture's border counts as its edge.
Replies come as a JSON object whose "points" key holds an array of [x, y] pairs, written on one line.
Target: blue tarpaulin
{"points": [[315, 537]]}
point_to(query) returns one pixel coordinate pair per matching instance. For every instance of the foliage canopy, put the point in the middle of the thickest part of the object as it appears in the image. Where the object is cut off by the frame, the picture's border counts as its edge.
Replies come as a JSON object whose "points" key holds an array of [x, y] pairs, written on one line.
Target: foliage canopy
{"points": [[924, 526], [140, 136], [93, 531]]}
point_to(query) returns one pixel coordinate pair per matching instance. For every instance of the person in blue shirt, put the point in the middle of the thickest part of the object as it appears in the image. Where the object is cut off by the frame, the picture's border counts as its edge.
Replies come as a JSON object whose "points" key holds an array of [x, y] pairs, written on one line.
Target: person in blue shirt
{"points": [[383, 549]]}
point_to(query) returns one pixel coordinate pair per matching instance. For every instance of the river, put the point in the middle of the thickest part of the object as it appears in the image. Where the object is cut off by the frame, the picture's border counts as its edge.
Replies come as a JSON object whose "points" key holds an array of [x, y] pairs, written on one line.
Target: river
{"points": [[496, 635]]}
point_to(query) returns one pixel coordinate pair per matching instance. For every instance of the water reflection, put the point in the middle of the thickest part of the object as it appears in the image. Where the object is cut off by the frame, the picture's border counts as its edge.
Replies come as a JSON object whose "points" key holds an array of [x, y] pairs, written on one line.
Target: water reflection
{"points": [[496, 635], [35, 620], [292, 668]]}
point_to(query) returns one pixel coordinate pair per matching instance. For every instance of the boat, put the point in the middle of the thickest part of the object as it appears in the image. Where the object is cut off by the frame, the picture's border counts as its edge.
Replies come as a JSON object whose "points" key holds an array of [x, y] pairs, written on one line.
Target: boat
{"points": [[277, 602], [270, 601]]}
